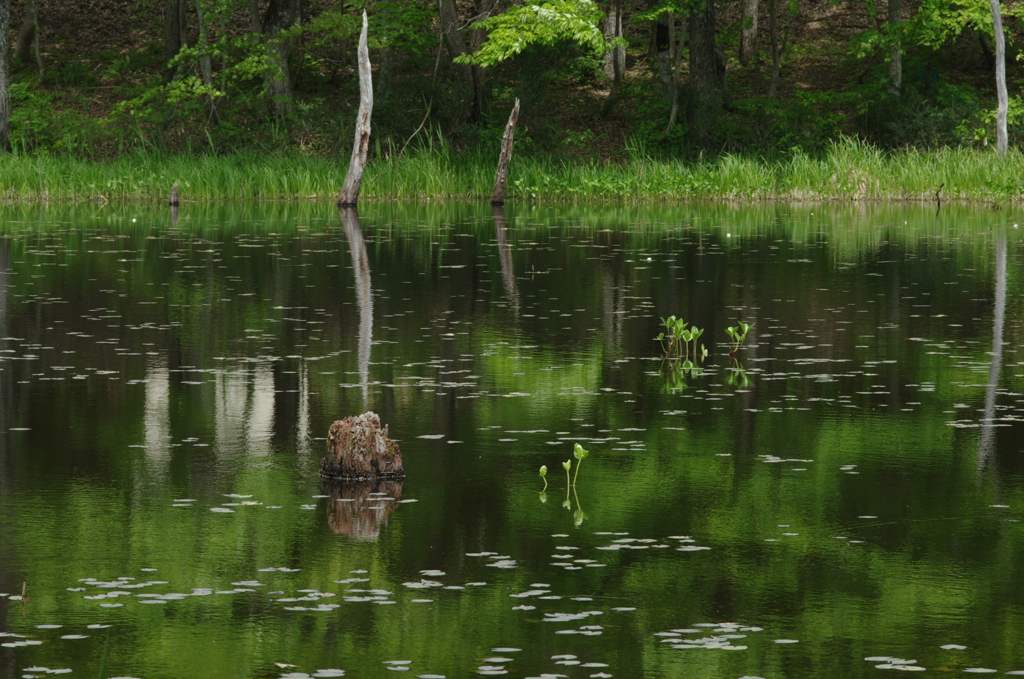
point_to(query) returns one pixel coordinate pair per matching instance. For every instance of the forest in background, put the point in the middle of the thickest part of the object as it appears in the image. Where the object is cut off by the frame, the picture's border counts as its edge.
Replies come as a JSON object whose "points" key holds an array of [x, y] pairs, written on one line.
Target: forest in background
{"points": [[598, 81]]}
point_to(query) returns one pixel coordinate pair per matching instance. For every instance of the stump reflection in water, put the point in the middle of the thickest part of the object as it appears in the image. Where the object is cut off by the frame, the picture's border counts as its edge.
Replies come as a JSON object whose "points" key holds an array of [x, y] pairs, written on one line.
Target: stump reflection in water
{"points": [[359, 509]]}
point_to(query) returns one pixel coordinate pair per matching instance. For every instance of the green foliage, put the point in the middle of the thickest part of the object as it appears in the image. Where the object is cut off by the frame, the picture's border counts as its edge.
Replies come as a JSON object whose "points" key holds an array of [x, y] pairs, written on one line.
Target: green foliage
{"points": [[937, 22], [736, 376], [392, 24], [683, 7], [672, 340], [738, 335], [41, 125], [848, 169], [981, 127], [928, 113], [809, 121], [546, 23], [676, 343], [580, 453]]}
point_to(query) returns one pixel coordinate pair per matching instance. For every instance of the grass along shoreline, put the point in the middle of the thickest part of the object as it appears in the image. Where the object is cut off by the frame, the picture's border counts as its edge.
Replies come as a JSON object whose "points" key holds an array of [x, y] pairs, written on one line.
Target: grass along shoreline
{"points": [[849, 171]]}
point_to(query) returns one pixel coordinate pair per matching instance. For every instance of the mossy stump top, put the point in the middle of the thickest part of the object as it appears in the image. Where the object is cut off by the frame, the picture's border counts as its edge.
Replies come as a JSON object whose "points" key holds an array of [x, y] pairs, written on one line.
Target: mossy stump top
{"points": [[359, 448]]}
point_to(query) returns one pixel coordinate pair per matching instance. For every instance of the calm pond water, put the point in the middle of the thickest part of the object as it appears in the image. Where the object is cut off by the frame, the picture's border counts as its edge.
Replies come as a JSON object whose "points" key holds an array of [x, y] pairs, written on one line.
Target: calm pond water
{"points": [[841, 499]]}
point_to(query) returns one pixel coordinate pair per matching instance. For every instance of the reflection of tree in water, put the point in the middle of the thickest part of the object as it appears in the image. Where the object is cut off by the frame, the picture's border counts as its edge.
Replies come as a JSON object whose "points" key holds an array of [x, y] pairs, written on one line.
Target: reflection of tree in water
{"points": [[988, 424], [6, 375], [359, 509], [508, 273], [364, 294]]}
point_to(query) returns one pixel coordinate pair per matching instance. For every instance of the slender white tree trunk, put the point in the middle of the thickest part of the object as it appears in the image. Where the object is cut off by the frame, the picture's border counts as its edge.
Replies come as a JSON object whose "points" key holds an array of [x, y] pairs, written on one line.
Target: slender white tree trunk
{"points": [[1004, 102], [349, 195]]}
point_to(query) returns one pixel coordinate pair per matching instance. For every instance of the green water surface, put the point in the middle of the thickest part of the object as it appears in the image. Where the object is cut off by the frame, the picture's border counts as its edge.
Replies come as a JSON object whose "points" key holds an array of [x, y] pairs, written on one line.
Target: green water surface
{"points": [[841, 497]]}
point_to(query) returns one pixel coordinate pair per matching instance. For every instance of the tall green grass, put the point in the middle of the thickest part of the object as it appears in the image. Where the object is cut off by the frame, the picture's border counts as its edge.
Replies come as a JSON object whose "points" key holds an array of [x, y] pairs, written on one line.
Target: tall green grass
{"points": [[849, 171]]}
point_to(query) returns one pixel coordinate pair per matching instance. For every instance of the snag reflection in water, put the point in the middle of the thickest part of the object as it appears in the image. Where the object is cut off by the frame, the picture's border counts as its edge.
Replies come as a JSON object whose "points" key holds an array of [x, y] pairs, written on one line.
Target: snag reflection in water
{"points": [[359, 509]]}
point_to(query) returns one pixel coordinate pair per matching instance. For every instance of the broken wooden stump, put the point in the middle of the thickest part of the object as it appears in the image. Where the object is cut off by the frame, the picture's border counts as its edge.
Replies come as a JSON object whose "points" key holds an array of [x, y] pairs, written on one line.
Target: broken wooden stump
{"points": [[359, 448], [498, 197]]}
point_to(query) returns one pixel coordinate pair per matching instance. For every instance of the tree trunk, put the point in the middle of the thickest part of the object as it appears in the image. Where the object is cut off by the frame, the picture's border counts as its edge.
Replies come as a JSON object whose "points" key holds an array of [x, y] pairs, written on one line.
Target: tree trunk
{"points": [[27, 34], [206, 68], [481, 76], [615, 58], [476, 78], [279, 16], [748, 36], [673, 113], [1001, 135], [387, 62], [777, 49], [5, 75], [665, 28], [349, 195], [704, 80], [175, 31], [498, 197], [896, 51], [618, 68]]}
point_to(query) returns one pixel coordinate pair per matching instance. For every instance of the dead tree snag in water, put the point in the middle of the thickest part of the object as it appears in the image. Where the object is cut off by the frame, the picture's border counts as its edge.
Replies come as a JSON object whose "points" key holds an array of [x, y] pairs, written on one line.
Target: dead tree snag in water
{"points": [[498, 197], [359, 448], [349, 195]]}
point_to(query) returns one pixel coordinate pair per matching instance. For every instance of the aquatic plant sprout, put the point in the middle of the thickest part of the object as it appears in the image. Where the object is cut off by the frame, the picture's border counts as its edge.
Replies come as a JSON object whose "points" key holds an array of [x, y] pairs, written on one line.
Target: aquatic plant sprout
{"points": [[672, 343], [544, 475], [566, 466], [579, 452], [680, 336], [738, 335]]}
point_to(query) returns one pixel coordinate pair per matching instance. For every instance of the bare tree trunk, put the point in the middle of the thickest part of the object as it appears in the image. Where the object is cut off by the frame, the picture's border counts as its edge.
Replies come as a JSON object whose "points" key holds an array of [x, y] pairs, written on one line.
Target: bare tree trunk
{"points": [[206, 68], [673, 113], [616, 56], [896, 51], [498, 197], [665, 28], [5, 75], [28, 38], [387, 62], [1001, 135], [618, 67], [777, 49], [175, 31], [481, 76], [457, 46], [721, 64], [27, 34], [349, 195], [279, 16], [748, 35], [704, 79]]}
